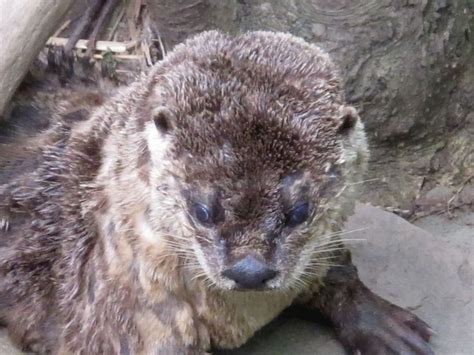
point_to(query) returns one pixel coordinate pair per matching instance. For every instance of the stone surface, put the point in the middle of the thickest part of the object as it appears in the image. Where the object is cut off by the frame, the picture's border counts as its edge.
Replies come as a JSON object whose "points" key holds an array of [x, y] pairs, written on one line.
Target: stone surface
{"points": [[426, 273], [402, 60], [25, 26], [458, 230], [407, 67], [431, 274]]}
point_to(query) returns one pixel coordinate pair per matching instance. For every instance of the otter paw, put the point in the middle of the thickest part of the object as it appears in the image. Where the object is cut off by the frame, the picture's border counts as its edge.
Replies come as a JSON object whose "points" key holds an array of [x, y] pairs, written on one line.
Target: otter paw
{"points": [[375, 326]]}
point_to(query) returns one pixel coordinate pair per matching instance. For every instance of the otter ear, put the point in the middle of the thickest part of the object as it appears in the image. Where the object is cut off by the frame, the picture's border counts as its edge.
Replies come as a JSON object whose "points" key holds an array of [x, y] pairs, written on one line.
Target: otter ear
{"points": [[164, 119], [347, 120]]}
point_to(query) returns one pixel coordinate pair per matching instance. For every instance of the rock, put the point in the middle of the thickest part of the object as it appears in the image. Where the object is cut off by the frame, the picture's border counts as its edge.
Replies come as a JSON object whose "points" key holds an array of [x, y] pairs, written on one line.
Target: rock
{"points": [[440, 194], [467, 194], [407, 66], [177, 20], [457, 230], [436, 199], [400, 59], [24, 28], [419, 271]]}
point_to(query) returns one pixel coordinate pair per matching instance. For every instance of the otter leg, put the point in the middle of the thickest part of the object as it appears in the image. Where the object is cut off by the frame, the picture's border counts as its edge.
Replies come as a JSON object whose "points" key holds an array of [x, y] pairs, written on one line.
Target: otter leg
{"points": [[365, 323]]}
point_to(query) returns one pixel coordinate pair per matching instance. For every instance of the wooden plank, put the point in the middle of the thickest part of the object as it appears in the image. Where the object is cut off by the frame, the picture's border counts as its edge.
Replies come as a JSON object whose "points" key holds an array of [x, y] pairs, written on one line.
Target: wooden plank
{"points": [[120, 56], [116, 47], [62, 28]]}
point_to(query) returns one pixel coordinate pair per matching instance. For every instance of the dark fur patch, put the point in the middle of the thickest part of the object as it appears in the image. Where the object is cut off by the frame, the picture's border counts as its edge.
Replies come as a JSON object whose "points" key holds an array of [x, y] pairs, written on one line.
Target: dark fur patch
{"points": [[166, 311], [75, 116], [144, 156], [124, 346], [102, 203], [143, 164], [91, 288], [25, 119], [111, 228], [118, 168]]}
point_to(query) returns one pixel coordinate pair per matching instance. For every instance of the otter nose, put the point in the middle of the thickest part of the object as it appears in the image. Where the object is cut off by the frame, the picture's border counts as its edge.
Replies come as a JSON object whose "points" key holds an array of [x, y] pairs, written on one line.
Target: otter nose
{"points": [[249, 273]]}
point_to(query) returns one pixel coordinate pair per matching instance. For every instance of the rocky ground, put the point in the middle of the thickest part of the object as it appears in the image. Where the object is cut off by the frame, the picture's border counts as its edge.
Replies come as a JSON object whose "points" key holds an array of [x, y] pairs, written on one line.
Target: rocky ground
{"points": [[427, 267]]}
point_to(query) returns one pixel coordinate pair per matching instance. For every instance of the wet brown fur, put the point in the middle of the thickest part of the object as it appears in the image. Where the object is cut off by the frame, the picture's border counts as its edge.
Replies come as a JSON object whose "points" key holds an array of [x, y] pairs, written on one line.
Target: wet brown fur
{"points": [[100, 254]]}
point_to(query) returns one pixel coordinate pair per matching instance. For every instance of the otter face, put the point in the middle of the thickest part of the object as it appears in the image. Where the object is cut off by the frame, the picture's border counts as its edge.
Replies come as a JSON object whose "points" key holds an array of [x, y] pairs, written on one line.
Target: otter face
{"points": [[255, 205], [255, 147], [253, 236]]}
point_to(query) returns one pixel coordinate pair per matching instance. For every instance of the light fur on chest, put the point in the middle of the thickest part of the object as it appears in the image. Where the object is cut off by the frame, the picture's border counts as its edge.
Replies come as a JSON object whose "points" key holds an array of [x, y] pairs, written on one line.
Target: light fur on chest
{"points": [[233, 317]]}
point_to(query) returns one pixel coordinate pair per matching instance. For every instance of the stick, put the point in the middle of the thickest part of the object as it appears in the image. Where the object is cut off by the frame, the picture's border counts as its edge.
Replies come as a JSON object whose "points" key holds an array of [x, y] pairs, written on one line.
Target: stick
{"points": [[115, 25], [106, 9], [82, 26], [62, 28]]}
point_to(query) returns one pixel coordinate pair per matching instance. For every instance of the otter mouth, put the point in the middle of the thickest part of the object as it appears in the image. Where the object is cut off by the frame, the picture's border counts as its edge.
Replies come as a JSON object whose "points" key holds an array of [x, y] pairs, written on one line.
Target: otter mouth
{"points": [[263, 288]]}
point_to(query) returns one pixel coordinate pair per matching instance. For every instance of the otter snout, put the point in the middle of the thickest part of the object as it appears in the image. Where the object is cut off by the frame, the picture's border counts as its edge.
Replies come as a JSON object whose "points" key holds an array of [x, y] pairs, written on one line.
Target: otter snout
{"points": [[249, 273]]}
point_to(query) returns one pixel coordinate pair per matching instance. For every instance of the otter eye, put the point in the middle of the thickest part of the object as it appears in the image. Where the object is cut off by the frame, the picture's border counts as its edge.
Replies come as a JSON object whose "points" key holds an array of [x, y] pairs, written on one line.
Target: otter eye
{"points": [[297, 215], [202, 213]]}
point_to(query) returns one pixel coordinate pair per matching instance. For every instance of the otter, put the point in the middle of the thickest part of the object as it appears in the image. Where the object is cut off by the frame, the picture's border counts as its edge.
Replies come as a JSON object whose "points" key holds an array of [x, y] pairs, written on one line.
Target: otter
{"points": [[190, 209]]}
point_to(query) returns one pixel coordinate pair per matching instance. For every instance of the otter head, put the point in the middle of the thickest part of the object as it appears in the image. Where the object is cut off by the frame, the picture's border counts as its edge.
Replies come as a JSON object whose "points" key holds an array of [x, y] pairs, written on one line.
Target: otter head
{"points": [[251, 146]]}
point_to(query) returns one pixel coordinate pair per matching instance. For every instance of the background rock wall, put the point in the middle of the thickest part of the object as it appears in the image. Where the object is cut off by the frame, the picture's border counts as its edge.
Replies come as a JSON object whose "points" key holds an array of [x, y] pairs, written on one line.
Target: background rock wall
{"points": [[408, 67]]}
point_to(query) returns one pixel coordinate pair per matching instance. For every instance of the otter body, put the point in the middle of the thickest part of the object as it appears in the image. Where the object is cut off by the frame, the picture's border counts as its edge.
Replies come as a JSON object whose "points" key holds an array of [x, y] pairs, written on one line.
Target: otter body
{"points": [[192, 208]]}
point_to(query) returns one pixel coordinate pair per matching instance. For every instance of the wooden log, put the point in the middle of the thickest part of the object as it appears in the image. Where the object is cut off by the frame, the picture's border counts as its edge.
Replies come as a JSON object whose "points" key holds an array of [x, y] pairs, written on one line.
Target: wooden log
{"points": [[25, 26]]}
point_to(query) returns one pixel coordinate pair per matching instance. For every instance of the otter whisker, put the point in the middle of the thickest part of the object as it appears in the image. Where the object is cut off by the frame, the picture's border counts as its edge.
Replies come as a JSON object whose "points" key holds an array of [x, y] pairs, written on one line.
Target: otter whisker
{"points": [[343, 232], [179, 250], [332, 257], [309, 277], [193, 263], [187, 240], [194, 268], [165, 256], [323, 264], [177, 242], [340, 241], [198, 276], [328, 250], [298, 283], [363, 181], [178, 245]]}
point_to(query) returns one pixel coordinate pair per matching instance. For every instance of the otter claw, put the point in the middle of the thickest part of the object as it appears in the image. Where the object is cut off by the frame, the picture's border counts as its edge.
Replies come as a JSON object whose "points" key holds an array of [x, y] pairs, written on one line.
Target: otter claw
{"points": [[374, 326]]}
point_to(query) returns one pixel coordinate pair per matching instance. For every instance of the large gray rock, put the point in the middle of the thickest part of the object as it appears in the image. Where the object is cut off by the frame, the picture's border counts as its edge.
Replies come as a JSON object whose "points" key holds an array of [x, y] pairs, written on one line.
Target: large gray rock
{"points": [[401, 60], [421, 272], [25, 26], [407, 67]]}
